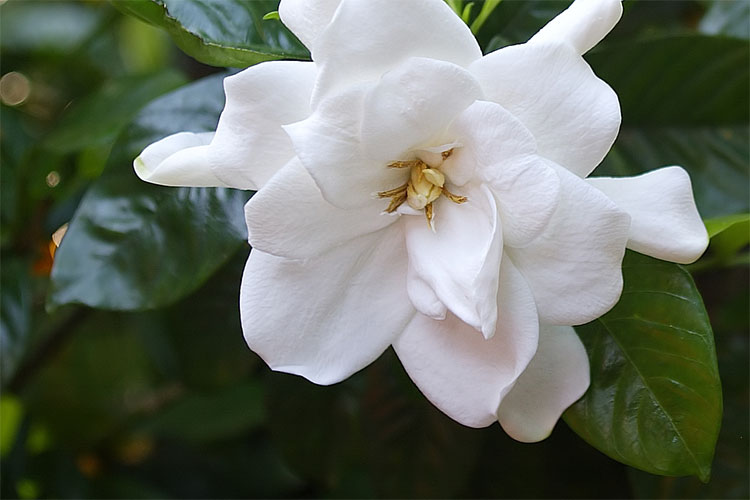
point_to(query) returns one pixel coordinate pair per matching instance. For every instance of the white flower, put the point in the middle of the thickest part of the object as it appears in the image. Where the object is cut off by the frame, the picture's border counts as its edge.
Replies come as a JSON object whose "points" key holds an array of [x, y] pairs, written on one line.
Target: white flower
{"points": [[416, 194]]}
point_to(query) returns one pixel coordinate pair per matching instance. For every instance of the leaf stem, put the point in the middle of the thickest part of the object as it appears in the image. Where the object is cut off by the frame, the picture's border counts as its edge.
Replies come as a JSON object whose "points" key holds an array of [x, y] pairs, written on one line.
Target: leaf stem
{"points": [[456, 5], [487, 8]]}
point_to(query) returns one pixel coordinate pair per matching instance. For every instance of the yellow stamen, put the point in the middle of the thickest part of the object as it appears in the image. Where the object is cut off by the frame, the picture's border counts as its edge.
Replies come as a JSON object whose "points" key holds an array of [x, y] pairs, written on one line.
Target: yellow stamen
{"points": [[392, 192], [396, 202], [425, 185], [404, 164], [454, 197]]}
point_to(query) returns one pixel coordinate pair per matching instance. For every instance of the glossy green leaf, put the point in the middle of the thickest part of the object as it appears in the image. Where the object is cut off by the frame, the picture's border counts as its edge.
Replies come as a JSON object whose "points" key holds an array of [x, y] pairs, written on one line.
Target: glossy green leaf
{"points": [[720, 224], [98, 118], [729, 235], [132, 245], [655, 398], [220, 32]]}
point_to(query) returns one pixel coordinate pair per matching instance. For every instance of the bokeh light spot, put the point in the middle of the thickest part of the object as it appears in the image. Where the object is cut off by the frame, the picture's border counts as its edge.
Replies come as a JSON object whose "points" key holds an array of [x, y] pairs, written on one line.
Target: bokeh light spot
{"points": [[14, 88]]}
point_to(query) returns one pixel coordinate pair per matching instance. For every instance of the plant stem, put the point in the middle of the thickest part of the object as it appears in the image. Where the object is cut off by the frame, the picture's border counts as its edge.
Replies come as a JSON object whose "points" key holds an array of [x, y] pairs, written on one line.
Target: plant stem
{"points": [[487, 8]]}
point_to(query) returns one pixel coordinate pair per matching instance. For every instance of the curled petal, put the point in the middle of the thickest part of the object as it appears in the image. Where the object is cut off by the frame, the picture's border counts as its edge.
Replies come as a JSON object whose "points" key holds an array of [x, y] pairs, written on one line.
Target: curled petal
{"points": [[581, 25], [289, 217], [555, 378], [498, 149], [573, 115], [307, 18], [574, 265], [250, 145], [423, 296], [326, 318], [461, 372], [460, 259], [178, 160], [665, 221], [366, 38]]}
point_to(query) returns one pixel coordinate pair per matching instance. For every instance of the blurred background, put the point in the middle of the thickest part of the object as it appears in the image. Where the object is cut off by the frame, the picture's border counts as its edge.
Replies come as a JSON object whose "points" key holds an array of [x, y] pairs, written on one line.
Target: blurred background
{"points": [[166, 401]]}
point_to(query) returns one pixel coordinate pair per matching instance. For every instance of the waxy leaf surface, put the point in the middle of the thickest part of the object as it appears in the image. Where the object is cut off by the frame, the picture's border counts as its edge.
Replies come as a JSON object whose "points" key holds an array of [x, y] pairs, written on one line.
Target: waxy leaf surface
{"points": [[220, 32], [132, 245], [655, 397]]}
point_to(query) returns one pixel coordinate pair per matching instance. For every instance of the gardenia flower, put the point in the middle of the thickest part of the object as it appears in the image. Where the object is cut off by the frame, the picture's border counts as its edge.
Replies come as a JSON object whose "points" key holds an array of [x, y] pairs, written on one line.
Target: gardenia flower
{"points": [[414, 193]]}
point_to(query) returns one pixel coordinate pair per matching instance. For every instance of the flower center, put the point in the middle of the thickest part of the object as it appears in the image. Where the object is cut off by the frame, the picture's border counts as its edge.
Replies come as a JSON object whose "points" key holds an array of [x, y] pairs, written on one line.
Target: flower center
{"points": [[425, 185]]}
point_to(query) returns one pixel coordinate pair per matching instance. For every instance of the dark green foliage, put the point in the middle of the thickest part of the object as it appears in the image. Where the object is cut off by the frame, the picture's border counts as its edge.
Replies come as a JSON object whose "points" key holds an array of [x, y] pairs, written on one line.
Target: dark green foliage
{"points": [[136, 383]]}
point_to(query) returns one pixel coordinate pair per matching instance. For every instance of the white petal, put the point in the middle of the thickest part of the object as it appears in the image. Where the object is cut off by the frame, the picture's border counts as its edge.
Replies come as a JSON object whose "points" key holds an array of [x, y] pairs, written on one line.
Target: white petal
{"points": [[250, 145], [366, 38], [289, 217], [307, 18], [665, 221], [556, 377], [458, 370], [411, 107], [498, 149], [582, 25], [328, 145], [423, 297], [330, 316], [574, 266], [347, 143], [573, 115], [178, 160], [460, 259]]}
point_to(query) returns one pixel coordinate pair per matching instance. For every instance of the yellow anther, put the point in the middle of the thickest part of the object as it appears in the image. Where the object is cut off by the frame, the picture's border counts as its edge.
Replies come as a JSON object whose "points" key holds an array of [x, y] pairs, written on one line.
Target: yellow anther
{"points": [[453, 197], [435, 177], [404, 164], [425, 185]]}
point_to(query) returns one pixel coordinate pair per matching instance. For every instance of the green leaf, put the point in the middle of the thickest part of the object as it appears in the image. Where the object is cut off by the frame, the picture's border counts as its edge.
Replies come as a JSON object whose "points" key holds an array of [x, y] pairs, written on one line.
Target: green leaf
{"points": [[98, 379], [688, 80], [213, 416], [15, 314], [685, 101], [720, 224], [220, 32], [132, 245], [655, 398], [729, 235], [414, 450], [715, 158], [11, 413], [516, 22], [307, 420], [98, 118]]}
